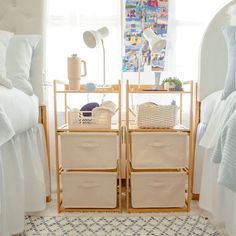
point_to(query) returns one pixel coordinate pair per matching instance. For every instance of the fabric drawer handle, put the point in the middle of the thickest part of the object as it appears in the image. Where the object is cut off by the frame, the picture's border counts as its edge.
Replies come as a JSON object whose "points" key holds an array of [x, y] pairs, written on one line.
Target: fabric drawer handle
{"points": [[157, 144], [88, 145], [157, 184], [89, 185]]}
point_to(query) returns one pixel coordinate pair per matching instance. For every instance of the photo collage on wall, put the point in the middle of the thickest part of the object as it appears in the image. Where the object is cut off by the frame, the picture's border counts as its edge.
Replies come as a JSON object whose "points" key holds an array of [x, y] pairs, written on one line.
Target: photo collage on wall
{"points": [[139, 15]]}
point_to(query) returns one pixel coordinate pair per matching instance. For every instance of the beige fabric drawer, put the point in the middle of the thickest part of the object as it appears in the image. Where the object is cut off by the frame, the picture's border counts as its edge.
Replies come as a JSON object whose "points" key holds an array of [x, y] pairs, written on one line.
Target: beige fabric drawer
{"points": [[89, 189], [157, 189], [89, 150], [153, 150]]}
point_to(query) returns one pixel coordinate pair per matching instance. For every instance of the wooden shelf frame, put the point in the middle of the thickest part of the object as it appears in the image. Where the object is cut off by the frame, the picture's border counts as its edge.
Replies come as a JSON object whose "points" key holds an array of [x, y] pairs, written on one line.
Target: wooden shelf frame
{"points": [[191, 131], [113, 89]]}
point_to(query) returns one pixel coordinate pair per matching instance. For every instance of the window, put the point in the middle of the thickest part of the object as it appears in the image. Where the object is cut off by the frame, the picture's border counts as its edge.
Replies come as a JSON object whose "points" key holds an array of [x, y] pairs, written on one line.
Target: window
{"points": [[67, 20], [191, 20]]}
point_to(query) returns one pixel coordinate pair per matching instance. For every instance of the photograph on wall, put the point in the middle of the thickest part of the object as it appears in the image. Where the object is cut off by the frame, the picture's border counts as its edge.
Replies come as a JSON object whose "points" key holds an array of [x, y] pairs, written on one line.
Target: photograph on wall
{"points": [[158, 61], [139, 15]]}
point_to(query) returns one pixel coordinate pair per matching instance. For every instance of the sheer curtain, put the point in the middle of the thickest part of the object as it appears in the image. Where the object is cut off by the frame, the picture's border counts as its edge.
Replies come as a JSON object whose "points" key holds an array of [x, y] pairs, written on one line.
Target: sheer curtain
{"points": [[191, 20], [67, 20]]}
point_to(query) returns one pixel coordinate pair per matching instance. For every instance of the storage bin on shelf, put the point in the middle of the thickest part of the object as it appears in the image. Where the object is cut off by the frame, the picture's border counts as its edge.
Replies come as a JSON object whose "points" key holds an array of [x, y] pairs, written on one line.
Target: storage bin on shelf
{"points": [[164, 189], [89, 189], [151, 115], [161, 150], [89, 150], [98, 118]]}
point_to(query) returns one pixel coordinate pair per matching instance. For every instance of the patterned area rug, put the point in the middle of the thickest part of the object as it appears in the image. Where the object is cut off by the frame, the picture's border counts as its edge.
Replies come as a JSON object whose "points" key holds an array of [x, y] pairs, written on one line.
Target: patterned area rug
{"points": [[166, 226]]}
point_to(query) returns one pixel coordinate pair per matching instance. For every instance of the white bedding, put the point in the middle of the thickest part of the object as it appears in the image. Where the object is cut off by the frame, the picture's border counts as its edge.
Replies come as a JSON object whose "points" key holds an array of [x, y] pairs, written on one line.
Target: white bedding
{"points": [[24, 179], [215, 198], [221, 113], [12, 100], [207, 106]]}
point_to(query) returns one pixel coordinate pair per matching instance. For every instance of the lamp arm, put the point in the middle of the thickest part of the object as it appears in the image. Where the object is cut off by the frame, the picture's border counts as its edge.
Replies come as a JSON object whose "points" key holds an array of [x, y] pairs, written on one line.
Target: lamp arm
{"points": [[104, 62]]}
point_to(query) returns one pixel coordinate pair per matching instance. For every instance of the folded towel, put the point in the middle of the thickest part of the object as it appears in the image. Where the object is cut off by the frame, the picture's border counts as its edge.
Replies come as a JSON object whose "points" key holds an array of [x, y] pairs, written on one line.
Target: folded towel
{"points": [[6, 129], [109, 105]]}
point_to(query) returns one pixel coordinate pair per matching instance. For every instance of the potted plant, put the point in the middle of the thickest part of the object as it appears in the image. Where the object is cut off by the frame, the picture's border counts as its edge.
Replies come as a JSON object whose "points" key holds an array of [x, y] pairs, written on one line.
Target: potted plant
{"points": [[172, 83]]}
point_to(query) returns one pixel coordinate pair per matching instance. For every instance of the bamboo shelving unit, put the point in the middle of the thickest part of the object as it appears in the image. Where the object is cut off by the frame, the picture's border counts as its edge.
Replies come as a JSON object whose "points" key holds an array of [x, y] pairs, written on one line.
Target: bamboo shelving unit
{"points": [[64, 90]]}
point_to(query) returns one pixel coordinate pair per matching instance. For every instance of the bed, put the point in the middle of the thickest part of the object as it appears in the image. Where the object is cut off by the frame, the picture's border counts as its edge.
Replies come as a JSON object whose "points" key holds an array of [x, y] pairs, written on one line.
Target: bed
{"points": [[216, 130], [24, 154]]}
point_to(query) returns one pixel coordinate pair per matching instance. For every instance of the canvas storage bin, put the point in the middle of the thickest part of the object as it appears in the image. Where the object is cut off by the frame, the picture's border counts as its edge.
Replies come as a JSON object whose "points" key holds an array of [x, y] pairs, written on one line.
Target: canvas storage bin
{"points": [[151, 115], [158, 189], [89, 189], [85, 150], [159, 150]]}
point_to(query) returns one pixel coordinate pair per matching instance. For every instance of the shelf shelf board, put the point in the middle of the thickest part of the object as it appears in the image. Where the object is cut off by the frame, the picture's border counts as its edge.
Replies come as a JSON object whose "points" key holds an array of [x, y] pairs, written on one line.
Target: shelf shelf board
{"points": [[150, 89], [84, 91], [114, 88], [117, 209], [65, 127], [178, 128], [167, 209]]}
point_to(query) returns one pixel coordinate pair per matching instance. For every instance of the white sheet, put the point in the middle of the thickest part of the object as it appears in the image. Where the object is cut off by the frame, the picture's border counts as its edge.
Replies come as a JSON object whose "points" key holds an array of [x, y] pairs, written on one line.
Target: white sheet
{"points": [[208, 105], [12, 100], [6, 129], [216, 198], [22, 179], [222, 112]]}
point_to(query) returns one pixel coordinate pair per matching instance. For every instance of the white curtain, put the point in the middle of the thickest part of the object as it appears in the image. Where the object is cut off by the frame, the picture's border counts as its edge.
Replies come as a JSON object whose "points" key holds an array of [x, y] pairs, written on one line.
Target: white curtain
{"points": [[67, 20], [191, 20]]}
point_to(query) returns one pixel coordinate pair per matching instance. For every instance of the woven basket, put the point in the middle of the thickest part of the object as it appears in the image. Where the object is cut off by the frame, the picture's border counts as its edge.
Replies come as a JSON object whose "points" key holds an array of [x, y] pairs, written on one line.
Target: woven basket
{"points": [[87, 119], [151, 115]]}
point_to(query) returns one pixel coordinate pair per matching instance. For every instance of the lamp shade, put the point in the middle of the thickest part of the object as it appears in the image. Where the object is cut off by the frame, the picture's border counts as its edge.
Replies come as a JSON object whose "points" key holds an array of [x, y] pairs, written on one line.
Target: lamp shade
{"points": [[156, 44], [92, 38]]}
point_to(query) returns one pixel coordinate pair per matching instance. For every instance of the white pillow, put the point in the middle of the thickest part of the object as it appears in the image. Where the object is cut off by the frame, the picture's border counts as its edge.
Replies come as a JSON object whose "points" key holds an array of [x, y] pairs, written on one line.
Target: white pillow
{"points": [[230, 81], [18, 61], [4, 41]]}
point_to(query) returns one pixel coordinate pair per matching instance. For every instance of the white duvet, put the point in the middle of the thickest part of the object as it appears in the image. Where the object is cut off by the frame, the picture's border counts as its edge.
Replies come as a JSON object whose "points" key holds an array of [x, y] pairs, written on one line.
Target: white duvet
{"points": [[18, 112]]}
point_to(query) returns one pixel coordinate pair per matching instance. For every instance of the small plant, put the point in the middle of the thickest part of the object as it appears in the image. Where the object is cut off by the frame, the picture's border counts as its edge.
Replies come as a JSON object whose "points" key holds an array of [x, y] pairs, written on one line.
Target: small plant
{"points": [[173, 81]]}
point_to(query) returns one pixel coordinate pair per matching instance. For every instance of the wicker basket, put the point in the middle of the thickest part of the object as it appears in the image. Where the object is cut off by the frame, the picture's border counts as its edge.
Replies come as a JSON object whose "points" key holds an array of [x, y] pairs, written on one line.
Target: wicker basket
{"points": [[151, 115], [98, 118]]}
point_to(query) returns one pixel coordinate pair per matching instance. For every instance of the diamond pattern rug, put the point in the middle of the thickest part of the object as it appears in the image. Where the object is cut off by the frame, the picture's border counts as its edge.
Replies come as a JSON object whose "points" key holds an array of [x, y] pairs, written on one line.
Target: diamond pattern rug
{"points": [[119, 225]]}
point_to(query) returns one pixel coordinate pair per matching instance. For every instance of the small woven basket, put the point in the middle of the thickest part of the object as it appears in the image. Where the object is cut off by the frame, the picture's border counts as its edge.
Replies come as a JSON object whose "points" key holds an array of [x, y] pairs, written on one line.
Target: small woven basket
{"points": [[80, 119], [151, 115]]}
